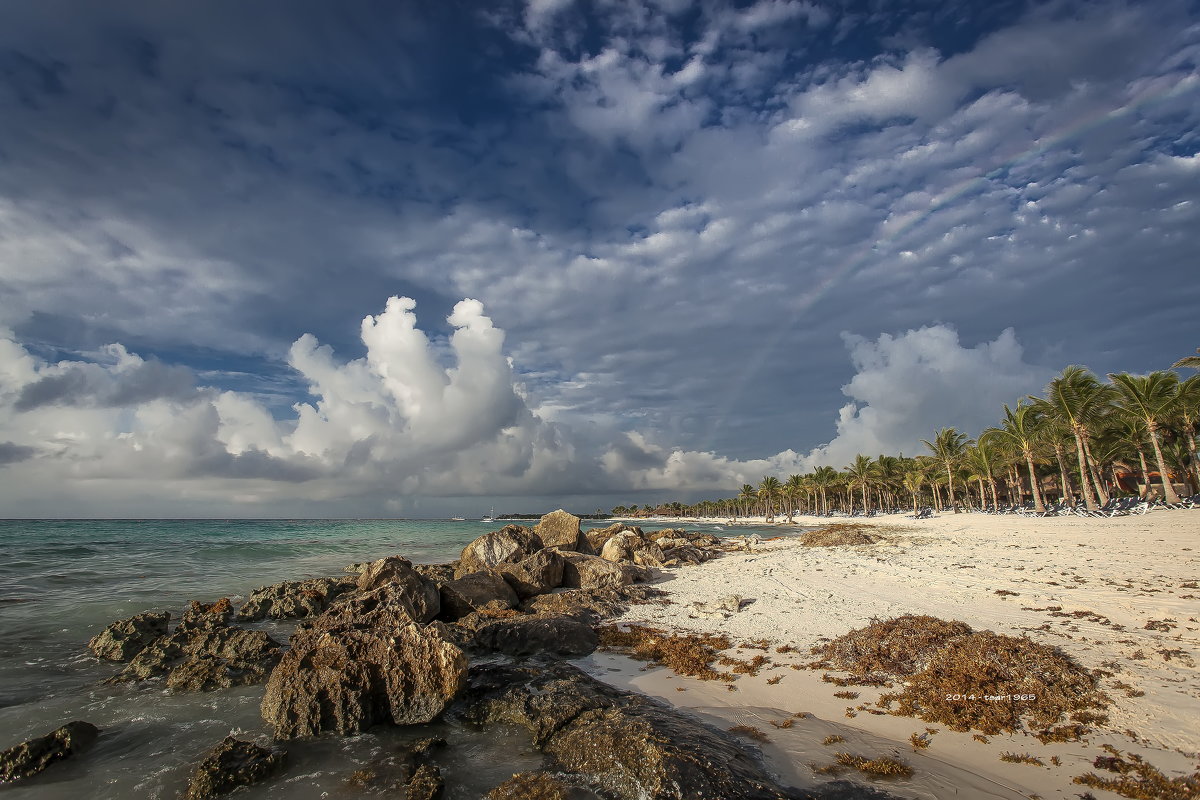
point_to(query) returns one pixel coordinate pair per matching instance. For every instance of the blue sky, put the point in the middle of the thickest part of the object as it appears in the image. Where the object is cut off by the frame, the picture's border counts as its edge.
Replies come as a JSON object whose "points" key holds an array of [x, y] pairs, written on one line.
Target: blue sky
{"points": [[650, 250]]}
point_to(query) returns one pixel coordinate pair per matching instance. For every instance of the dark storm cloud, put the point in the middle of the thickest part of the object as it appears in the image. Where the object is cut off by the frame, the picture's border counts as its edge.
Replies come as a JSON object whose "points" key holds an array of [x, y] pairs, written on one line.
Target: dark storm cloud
{"points": [[674, 212], [14, 453]]}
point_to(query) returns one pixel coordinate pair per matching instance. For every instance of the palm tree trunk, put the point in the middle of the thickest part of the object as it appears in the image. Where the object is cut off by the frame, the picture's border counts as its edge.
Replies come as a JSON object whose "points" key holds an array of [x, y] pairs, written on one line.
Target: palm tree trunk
{"points": [[1145, 475], [950, 482], [1190, 437], [1168, 490], [995, 500], [1068, 490], [1085, 487], [1038, 505], [1091, 465]]}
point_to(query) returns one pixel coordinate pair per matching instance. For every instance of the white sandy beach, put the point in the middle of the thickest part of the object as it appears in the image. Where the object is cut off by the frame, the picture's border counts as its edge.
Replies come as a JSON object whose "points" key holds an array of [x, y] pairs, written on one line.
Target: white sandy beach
{"points": [[1109, 578]]}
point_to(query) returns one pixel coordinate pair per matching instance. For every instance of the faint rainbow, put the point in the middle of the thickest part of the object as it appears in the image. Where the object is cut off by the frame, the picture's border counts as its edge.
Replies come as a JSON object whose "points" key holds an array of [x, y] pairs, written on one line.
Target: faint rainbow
{"points": [[755, 362]]}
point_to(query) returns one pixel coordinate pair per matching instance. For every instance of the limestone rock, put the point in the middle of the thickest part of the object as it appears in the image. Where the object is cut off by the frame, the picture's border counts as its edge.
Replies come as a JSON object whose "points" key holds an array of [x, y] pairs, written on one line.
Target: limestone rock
{"points": [[629, 546], [350, 677], [510, 544], [476, 591], [205, 658], [592, 572], [293, 599], [395, 579], [598, 536], [199, 614], [631, 745], [29, 758], [425, 784], [562, 636], [560, 529], [437, 573], [230, 765], [124, 639], [537, 574]]}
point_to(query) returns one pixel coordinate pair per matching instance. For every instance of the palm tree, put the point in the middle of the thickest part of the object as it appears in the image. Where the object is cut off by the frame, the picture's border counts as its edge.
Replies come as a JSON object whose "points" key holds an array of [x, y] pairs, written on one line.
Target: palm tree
{"points": [[748, 495], [1187, 413], [948, 446], [914, 479], [860, 474], [1020, 428], [1153, 398], [824, 478], [769, 489], [1131, 431], [1188, 361], [983, 457], [1079, 400], [792, 490]]}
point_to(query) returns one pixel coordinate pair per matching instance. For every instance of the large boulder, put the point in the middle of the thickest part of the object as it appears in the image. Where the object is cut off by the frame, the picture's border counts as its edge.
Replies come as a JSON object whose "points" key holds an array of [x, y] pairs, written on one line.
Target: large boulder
{"points": [[124, 639], [293, 599], [29, 758], [560, 529], [598, 536], [393, 580], [230, 765], [629, 546], [537, 574], [510, 544], [531, 635], [476, 591], [205, 657], [592, 572], [634, 747], [350, 677]]}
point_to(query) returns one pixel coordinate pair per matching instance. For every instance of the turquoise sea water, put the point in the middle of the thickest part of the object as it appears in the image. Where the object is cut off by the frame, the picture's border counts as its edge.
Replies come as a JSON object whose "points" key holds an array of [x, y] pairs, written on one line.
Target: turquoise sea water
{"points": [[62, 581]]}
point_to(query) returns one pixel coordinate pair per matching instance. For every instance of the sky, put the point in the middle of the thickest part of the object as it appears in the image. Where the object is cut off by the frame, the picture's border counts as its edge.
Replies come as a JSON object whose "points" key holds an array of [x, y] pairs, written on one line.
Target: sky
{"points": [[419, 259]]}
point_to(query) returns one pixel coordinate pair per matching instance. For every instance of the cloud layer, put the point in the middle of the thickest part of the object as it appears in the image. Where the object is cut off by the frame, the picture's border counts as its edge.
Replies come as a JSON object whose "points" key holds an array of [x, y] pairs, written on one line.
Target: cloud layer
{"points": [[676, 212]]}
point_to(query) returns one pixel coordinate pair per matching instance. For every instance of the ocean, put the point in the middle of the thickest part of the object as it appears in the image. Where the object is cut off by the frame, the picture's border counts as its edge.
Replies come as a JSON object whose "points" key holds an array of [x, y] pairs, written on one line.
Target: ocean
{"points": [[62, 581]]}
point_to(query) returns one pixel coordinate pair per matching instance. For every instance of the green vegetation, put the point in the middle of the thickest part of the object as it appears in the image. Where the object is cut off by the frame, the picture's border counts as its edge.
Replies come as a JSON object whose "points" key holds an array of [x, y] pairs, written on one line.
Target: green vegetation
{"points": [[1085, 439]]}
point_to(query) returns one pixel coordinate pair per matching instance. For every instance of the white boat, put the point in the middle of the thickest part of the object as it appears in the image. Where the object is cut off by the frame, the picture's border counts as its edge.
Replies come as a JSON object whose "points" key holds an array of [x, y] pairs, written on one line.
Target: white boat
{"points": [[458, 519], [491, 517]]}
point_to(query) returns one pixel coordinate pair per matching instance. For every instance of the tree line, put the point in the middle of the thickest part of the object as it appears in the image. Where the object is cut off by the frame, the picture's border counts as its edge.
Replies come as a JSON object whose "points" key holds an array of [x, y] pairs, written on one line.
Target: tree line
{"points": [[1072, 444]]}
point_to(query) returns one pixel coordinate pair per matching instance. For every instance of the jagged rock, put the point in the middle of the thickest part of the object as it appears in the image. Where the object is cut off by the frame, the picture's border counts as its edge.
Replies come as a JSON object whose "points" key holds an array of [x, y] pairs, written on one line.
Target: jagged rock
{"points": [[629, 546], [393, 580], [530, 786], [591, 604], [392, 772], [562, 636], [293, 599], [705, 540], [347, 678], [205, 657], [631, 745], [391, 606], [510, 544], [124, 639], [425, 784], [537, 574], [437, 573], [668, 543], [560, 529], [199, 614], [667, 533], [598, 536], [592, 572], [230, 765], [686, 554], [31, 757], [476, 591]]}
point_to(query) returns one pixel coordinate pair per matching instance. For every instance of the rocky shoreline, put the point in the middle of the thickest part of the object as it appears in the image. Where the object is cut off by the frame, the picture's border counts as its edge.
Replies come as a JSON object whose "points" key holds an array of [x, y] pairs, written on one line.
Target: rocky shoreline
{"points": [[477, 641]]}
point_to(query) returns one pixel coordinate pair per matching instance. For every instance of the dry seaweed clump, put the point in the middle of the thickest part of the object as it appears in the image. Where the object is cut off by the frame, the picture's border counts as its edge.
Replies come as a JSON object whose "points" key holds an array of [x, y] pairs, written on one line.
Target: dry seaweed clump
{"points": [[530, 786], [685, 654], [969, 679], [884, 765], [902, 646], [1137, 779], [840, 533]]}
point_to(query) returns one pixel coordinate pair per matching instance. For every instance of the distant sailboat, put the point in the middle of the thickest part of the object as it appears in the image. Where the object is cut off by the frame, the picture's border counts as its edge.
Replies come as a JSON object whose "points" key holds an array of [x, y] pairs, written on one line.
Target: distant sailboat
{"points": [[491, 517], [458, 519]]}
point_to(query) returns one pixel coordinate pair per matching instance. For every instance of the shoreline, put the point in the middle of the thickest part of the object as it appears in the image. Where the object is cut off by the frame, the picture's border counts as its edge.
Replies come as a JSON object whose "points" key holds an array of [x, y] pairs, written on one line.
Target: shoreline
{"points": [[1108, 579]]}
